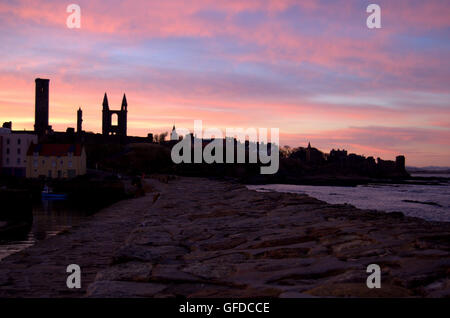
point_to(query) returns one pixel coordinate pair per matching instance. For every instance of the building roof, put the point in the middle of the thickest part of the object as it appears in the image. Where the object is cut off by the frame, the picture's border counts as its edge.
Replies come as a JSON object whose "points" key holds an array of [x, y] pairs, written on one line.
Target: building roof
{"points": [[57, 150]]}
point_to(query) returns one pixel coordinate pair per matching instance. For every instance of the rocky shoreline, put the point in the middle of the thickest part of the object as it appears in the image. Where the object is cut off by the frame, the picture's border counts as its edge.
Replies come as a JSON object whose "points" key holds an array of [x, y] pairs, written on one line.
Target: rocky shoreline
{"points": [[40, 270], [206, 238]]}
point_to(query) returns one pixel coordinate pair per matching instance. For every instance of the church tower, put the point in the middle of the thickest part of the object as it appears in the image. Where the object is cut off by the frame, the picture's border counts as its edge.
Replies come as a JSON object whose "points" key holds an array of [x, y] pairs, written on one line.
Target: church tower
{"points": [[106, 121], [123, 116], [79, 121], [174, 134], [109, 126], [41, 106]]}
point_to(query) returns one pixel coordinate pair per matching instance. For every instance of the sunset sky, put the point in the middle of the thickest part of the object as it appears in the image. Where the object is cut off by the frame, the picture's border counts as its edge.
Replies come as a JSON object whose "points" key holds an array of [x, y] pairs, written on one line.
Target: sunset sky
{"points": [[308, 67]]}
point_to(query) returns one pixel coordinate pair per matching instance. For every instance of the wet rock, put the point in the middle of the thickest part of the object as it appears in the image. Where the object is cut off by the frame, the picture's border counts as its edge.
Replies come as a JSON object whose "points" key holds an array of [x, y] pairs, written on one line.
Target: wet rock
{"points": [[395, 215], [173, 273], [283, 253], [210, 271], [154, 254], [115, 289], [131, 271], [359, 290], [224, 244], [355, 244], [282, 242], [237, 293]]}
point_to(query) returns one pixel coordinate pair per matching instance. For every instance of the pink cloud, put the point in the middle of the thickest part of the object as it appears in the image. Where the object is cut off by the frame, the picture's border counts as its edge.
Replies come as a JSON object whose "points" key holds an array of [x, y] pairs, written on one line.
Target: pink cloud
{"points": [[331, 52]]}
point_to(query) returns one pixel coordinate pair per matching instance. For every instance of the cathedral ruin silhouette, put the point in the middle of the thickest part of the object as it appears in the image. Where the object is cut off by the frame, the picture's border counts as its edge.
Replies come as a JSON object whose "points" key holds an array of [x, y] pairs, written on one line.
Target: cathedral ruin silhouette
{"points": [[109, 127]]}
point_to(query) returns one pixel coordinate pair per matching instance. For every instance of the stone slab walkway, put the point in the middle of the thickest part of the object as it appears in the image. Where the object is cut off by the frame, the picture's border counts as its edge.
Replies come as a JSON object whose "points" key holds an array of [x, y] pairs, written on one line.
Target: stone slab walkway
{"points": [[40, 271], [204, 238]]}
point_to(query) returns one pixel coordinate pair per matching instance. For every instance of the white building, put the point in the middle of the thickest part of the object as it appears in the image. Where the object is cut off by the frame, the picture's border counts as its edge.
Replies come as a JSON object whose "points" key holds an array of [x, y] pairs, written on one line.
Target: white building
{"points": [[173, 134], [13, 152]]}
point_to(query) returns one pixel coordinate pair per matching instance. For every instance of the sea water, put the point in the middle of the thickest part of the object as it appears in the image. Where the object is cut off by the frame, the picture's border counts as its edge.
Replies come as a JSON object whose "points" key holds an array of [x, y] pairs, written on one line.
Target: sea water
{"points": [[430, 202]]}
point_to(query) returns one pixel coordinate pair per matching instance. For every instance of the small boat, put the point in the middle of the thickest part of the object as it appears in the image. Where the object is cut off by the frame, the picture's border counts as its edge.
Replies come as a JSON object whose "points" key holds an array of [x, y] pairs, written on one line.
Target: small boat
{"points": [[48, 194]]}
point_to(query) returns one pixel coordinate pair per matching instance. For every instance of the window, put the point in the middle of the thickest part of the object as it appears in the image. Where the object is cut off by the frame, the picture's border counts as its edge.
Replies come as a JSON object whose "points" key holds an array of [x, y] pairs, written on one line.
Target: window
{"points": [[18, 141], [18, 161], [35, 163], [7, 141], [18, 151], [7, 161], [70, 164], [7, 151], [53, 163], [114, 119]]}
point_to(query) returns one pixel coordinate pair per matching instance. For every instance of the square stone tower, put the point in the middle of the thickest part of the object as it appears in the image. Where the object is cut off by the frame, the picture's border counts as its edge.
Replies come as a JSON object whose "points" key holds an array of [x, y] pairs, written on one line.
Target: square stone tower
{"points": [[41, 106]]}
